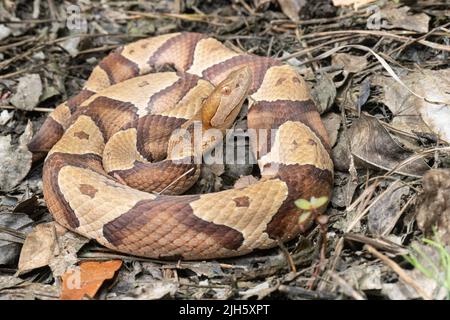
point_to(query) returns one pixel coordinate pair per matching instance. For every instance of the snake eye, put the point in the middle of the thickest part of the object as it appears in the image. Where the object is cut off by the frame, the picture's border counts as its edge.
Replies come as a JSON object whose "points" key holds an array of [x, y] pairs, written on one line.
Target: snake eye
{"points": [[226, 90]]}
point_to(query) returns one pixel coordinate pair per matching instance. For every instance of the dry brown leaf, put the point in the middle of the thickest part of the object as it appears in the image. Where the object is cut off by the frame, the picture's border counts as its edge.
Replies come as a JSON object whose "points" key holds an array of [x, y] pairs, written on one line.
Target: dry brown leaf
{"points": [[332, 123], [208, 269], [10, 245], [355, 3], [14, 288], [260, 291], [324, 93], [245, 181], [384, 213], [363, 277], [27, 205], [143, 281], [291, 8], [65, 255], [341, 153], [7, 282], [28, 92], [433, 208], [152, 290], [349, 219], [15, 159], [350, 63], [400, 18], [52, 245], [413, 114], [344, 189], [87, 279], [373, 146], [38, 248]]}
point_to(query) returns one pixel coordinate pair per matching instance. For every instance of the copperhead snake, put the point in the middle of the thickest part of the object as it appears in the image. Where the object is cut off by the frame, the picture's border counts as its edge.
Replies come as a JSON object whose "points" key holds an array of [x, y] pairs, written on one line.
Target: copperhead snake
{"points": [[106, 149]]}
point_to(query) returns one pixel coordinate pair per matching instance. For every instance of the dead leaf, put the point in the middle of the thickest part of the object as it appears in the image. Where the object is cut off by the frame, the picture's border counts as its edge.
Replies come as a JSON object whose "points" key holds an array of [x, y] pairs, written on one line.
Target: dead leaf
{"points": [[87, 279], [261, 5], [127, 278], [209, 181], [223, 294], [400, 18], [341, 153], [65, 255], [291, 8], [71, 45], [14, 288], [16, 159], [363, 277], [433, 205], [207, 269], [355, 3], [244, 181], [350, 63], [27, 205], [346, 64], [142, 280], [332, 123], [49, 92], [413, 114], [344, 189], [148, 291], [384, 213], [4, 32], [293, 61], [373, 146], [38, 248], [28, 92], [343, 224], [10, 245], [7, 282], [324, 93], [5, 116], [261, 291]]}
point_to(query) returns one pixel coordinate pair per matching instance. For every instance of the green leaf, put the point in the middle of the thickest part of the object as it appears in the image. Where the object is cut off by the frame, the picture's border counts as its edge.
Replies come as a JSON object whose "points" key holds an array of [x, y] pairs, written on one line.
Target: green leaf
{"points": [[318, 202], [303, 204]]}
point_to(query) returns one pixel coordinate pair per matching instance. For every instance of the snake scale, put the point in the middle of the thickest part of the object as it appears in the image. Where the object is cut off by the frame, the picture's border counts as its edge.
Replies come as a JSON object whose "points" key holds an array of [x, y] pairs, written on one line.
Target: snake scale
{"points": [[106, 166]]}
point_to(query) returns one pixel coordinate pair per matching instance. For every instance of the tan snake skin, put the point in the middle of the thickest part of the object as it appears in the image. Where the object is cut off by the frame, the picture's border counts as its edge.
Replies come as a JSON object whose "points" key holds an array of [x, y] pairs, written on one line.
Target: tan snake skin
{"points": [[108, 143]]}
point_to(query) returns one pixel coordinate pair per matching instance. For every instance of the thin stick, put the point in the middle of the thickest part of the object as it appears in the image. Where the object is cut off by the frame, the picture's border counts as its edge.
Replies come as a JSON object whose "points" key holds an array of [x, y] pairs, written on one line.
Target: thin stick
{"points": [[175, 181], [288, 256], [34, 109], [399, 271], [410, 42]]}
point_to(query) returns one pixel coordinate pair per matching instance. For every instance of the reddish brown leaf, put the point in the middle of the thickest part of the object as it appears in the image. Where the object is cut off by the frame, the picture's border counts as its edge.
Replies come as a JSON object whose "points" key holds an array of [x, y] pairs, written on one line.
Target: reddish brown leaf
{"points": [[87, 279]]}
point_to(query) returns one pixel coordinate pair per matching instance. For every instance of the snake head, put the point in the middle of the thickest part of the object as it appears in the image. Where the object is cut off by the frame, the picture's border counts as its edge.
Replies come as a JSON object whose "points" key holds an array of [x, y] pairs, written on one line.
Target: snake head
{"points": [[222, 106]]}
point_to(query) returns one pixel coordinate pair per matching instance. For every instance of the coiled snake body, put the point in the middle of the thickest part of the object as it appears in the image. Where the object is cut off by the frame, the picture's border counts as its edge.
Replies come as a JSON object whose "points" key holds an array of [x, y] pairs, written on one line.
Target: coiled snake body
{"points": [[108, 143]]}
